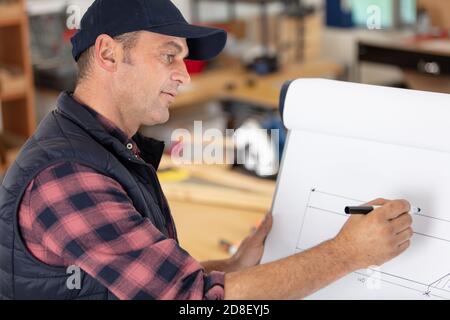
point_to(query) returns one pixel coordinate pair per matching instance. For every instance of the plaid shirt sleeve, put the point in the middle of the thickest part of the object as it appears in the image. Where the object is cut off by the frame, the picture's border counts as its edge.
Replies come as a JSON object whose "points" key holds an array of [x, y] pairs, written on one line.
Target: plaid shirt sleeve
{"points": [[73, 215]]}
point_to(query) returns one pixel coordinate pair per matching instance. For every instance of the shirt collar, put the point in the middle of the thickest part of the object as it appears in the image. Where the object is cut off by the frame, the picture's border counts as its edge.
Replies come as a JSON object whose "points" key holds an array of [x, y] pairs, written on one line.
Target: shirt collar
{"points": [[150, 150], [114, 130]]}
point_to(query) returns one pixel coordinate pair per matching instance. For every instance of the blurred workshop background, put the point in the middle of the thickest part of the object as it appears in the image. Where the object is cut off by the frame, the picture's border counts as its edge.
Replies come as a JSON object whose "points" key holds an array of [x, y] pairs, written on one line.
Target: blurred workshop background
{"points": [[401, 43]]}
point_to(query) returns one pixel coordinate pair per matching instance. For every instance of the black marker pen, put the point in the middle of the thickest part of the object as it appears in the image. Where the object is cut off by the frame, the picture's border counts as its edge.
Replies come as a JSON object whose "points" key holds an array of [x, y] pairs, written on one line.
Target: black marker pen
{"points": [[368, 209]]}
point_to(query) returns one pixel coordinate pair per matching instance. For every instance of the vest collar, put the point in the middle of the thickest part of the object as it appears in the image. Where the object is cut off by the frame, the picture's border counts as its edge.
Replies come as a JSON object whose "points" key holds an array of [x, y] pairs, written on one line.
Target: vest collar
{"points": [[151, 150]]}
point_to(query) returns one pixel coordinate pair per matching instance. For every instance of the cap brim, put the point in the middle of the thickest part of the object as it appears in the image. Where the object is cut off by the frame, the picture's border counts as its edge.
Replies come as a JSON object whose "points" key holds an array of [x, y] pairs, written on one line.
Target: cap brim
{"points": [[204, 43]]}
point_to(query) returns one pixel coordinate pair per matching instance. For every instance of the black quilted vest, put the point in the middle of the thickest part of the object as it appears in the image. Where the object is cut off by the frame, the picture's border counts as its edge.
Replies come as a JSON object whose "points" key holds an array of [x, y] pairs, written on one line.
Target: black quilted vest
{"points": [[71, 133]]}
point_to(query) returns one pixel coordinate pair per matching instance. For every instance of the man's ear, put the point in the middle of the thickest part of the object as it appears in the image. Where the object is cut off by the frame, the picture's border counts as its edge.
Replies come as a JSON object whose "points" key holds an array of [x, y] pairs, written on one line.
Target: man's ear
{"points": [[106, 52]]}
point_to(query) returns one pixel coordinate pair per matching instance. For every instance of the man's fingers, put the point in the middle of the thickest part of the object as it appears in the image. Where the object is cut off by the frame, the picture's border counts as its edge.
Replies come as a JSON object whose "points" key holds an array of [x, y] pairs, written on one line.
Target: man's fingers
{"points": [[404, 236], [395, 208], [402, 222], [405, 245], [265, 226], [376, 202]]}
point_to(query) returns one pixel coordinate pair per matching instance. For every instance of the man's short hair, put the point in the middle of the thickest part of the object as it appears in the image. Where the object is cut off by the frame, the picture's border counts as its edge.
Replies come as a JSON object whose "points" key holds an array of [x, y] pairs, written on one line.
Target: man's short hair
{"points": [[128, 42]]}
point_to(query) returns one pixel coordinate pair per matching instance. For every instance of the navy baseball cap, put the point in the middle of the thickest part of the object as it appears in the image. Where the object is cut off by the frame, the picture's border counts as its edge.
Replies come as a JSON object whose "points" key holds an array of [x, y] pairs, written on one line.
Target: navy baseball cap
{"points": [[116, 17]]}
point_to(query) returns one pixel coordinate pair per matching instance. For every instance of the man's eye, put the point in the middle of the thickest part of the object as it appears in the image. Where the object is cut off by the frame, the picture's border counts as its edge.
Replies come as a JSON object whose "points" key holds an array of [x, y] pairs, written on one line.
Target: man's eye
{"points": [[169, 58]]}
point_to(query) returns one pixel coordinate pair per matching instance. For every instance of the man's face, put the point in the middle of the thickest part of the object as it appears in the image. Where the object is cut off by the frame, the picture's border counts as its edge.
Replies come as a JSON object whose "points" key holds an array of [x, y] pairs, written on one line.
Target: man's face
{"points": [[148, 83]]}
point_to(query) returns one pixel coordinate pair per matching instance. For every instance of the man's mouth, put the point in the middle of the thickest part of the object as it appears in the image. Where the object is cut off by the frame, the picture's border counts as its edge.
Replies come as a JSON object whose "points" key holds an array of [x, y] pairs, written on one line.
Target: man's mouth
{"points": [[172, 94]]}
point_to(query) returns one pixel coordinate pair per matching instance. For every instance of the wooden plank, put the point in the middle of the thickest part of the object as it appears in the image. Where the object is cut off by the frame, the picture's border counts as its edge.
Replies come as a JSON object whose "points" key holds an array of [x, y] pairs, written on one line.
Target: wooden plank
{"points": [[12, 86], [12, 96], [215, 195], [10, 14], [233, 179], [10, 22]]}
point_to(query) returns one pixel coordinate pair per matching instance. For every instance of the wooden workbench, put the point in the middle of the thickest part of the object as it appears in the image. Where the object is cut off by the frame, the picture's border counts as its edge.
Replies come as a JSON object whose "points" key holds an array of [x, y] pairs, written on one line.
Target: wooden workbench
{"points": [[211, 203], [200, 227]]}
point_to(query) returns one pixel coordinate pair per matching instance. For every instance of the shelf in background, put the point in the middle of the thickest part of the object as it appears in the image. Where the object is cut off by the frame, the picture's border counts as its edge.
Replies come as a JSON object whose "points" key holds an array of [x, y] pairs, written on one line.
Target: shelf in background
{"points": [[11, 14], [16, 76], [13, 86], [10, 145]]}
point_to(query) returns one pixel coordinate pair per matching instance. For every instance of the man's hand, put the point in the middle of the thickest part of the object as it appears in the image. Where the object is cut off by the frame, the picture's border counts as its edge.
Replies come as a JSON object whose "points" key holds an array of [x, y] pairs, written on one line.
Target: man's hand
{"points": [[363, 241], [251, 249], [379, 236]]}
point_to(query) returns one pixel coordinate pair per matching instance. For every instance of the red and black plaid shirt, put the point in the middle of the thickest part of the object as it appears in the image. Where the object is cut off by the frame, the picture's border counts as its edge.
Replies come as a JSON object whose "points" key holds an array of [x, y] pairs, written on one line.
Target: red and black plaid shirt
{"points": [[73, 215]]}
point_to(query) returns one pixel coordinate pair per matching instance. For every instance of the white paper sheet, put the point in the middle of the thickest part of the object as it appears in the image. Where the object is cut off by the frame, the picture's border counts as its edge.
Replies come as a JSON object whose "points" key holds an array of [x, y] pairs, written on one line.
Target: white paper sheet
{"points": [[350, 143]]}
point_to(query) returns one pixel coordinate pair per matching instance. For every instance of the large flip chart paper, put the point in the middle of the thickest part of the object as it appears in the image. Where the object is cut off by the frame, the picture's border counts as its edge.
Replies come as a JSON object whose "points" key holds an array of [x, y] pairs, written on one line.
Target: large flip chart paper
{"points": [[350, 143]]}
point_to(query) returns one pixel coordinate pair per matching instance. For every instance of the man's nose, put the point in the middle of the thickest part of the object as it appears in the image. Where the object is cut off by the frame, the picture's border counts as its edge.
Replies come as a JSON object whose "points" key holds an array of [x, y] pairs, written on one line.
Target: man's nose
{"points": [[181, 74]]}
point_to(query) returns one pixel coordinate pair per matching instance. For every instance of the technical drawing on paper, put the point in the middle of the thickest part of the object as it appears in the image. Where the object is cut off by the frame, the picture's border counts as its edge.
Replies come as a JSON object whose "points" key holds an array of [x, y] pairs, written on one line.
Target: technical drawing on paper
{"points": [[418, 269]]}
